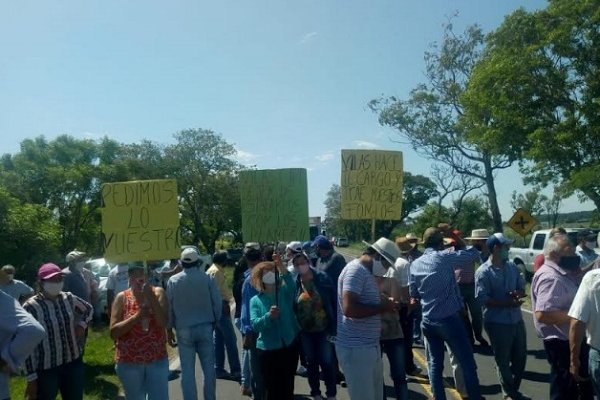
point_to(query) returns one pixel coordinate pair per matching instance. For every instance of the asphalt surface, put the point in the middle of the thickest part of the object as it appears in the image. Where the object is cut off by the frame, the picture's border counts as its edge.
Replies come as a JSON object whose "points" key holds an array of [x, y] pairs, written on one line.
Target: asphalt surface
{"points": [[534, 384]]}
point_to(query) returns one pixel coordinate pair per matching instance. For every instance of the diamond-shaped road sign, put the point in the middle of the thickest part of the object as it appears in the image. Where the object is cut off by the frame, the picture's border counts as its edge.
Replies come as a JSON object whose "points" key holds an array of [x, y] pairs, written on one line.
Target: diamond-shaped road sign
{"points": [[522, 222]]}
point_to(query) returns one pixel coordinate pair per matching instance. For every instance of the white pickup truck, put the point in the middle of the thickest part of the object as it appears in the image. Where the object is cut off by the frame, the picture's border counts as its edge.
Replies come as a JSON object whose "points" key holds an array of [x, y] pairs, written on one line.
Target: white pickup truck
{"points": [[524, 257]]}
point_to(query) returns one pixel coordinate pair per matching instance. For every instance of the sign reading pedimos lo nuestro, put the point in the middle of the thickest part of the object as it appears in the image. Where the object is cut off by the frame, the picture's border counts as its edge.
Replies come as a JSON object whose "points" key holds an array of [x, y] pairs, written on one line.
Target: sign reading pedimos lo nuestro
{"points": [[140, 220]]}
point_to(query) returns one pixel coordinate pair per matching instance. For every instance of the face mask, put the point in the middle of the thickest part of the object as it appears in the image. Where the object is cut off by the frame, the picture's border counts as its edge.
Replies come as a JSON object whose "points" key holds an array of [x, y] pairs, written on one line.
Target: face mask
{"points": [[570, 263], [52, 288], [504, 254], [269, 278], [137, 283], [590, 245], [10, 276], [378, 268], [302, 268]]}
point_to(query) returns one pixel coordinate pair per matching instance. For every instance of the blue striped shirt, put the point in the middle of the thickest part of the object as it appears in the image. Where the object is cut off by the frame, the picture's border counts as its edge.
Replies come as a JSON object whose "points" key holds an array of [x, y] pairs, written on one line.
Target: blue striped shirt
{"points": [[492, 282], [358, 332], [432, 281]]}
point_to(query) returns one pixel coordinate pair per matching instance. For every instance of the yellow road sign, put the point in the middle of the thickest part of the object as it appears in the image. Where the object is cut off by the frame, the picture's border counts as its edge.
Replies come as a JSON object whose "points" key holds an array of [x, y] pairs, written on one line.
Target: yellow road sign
{"points": [[522, 222]]}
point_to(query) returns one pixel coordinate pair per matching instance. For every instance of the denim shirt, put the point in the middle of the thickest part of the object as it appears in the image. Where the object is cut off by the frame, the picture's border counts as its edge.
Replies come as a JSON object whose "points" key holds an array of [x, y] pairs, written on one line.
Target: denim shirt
{"points": [[492, 282], [20, 333], [327, 292], [275, 333], [248, 292]]}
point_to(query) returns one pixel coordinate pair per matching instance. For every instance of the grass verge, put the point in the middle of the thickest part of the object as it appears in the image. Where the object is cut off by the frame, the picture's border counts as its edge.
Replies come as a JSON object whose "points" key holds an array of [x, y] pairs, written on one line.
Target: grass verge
{"points": [[101, 382]]}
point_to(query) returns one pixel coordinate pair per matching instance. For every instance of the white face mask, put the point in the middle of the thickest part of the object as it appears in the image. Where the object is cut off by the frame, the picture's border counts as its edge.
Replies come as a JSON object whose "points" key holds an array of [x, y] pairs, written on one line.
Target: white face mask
{"points": [[53, 288], [590, 245], [302, 268], [378, 268], [269, 278]]}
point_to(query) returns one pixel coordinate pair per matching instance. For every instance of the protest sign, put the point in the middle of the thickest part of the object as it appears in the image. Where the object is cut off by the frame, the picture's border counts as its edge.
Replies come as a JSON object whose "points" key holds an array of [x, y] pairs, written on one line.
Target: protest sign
{"points": [[140, 220], [274, 205], [371, 184]]}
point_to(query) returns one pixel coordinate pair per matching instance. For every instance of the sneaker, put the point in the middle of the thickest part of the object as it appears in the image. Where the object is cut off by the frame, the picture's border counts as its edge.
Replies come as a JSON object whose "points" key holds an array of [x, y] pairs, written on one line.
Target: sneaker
{"points": [[415, 371], [223, 375]]}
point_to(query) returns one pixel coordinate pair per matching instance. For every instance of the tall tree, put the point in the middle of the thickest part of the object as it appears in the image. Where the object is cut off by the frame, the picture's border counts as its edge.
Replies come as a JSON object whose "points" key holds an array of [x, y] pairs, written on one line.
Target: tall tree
{"points": [[531, 201], [540, 76], [432, 120], [208, 183], [60, 174]]}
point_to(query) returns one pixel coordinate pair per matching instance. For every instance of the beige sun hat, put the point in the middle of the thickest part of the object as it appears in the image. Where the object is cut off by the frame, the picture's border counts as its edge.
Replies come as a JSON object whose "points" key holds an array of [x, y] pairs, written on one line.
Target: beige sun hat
{"points": [[386, 248], [479, 234]]}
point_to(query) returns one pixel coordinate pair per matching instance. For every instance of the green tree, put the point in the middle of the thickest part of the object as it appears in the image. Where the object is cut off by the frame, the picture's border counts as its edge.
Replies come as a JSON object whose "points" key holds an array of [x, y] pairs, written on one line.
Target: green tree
{"points": [[532, 201], [433, 119], [208, 185], [61, 175], [539, 76]]}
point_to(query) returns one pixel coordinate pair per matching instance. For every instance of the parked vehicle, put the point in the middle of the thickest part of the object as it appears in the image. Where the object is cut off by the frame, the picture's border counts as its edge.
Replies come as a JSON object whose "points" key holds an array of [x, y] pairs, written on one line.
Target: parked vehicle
{"points": [[524, 257], [342, 242], [100, 268]]}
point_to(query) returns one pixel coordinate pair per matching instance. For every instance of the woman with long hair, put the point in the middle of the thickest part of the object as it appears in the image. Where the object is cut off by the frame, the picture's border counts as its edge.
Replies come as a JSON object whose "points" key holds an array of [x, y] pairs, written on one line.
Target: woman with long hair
{"points": [[273, 318]]}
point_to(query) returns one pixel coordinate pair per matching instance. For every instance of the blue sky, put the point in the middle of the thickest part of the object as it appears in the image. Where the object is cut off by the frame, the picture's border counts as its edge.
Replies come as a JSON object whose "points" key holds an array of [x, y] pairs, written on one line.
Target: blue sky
{"points": [[286, 82]]}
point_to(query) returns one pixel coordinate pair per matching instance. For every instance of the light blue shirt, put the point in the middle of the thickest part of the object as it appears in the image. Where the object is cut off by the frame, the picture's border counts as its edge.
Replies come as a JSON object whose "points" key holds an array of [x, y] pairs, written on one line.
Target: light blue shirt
{"points": [[432, 281], [193, 299], [493, 282], [587, 256], [20, 333]]}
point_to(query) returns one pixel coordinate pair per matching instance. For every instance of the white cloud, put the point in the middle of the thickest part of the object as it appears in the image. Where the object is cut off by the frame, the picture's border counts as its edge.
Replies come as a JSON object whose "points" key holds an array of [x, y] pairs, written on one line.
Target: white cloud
{"points": [[309, 37], [245, 156], [366, 145], [324, 157]]}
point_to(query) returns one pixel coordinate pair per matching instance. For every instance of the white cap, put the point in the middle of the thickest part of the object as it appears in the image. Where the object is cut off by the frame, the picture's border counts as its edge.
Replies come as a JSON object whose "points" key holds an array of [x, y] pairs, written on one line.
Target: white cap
{"points": [[189, 255], [296, 247]]}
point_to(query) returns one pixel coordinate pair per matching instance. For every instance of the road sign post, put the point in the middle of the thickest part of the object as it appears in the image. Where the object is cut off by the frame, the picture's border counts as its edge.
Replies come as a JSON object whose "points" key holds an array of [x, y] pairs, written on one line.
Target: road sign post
{"points": [[522, 222]]}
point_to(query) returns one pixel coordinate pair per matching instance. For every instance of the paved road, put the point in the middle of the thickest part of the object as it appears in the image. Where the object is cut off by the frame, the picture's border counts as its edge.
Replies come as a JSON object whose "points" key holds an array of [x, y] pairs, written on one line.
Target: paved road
{"points": [[535, 383]]}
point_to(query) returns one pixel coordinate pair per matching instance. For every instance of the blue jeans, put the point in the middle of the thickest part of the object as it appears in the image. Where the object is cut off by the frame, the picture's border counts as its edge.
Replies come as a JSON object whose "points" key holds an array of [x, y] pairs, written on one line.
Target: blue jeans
{"points": [[192, 340], [594, 366], [224, 338], [417, 316], [394, 349], [144, 381], [66, 378], [246, 380], [452, 331], [318, 351]]}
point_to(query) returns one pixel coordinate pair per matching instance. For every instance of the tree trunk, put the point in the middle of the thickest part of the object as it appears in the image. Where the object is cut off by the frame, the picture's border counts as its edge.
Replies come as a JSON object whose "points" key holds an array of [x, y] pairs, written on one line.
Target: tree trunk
{"points": [[491, 192], [594, 197]]}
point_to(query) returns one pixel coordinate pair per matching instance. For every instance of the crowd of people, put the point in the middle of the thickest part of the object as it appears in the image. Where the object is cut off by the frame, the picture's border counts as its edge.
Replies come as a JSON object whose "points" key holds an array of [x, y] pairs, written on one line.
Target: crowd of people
{"points": [[302, 309]]}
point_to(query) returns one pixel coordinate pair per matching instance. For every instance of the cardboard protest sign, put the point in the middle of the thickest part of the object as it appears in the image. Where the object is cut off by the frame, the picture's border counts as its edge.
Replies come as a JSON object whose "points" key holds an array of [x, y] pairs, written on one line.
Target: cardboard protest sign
{"points": [[140, 220], [371, 184], [274, 205]]}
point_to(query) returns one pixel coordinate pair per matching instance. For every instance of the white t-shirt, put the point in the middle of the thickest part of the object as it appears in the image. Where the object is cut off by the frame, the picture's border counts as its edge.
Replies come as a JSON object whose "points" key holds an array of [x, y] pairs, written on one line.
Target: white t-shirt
{"points": [[586, 306], [400, 271], [118, 278]]}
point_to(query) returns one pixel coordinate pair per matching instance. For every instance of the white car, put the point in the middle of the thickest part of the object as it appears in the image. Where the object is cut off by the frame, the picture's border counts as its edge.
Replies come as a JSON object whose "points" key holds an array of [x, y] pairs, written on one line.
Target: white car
{"points": [[100, 268]]}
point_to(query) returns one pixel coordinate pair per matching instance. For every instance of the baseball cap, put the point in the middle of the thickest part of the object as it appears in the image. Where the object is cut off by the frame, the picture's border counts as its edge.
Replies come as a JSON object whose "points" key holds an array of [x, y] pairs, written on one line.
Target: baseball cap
{"points": [[296, 247], [48, 271], [322, 241], [307, 245], [189, 255], [497, 239], [75, 255]]}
